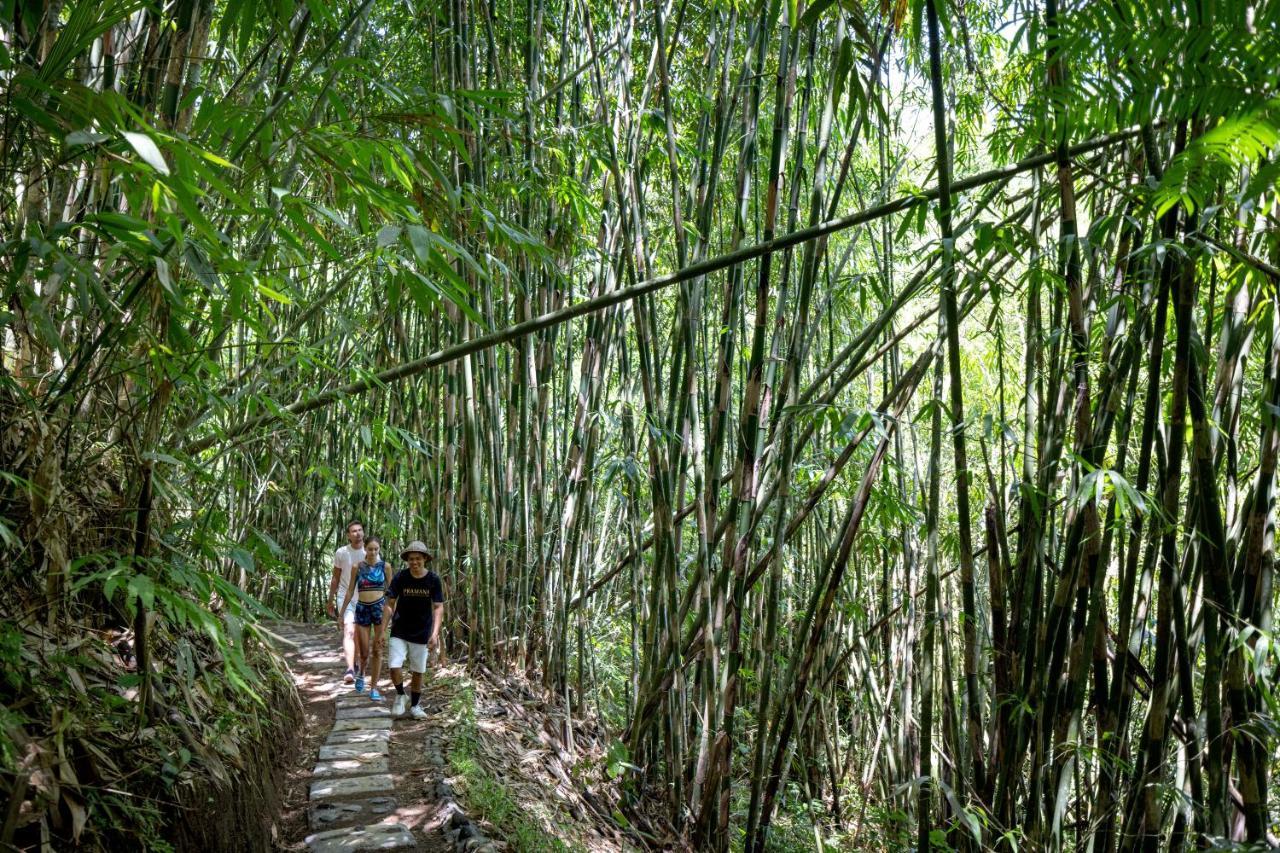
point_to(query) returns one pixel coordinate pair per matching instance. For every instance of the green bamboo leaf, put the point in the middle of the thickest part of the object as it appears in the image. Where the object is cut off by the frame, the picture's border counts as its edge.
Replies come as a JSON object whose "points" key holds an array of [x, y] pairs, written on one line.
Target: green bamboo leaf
{"points": [[815, 11], [273, 294], [162, 273], [147, 150], [388, 235], [84, 23], [86, 137], [299, 219], [421, 240]]}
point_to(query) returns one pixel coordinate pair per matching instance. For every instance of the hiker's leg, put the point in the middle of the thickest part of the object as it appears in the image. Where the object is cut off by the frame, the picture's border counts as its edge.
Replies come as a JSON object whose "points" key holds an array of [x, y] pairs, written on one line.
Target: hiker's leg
{"points": [[397, 649], [375, 665], [415, 690], [362, 647], [349, 636], [417, 665]]}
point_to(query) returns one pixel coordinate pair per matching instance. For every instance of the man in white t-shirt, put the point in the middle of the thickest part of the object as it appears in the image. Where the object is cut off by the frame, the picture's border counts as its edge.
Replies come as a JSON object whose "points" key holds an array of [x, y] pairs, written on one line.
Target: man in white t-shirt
{"points": [[343, 559]]}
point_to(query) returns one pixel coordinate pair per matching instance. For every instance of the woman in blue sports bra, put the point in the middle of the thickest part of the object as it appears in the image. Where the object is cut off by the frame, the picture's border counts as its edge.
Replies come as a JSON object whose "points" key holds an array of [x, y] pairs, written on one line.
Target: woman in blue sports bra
{"points": [[369, 584]]}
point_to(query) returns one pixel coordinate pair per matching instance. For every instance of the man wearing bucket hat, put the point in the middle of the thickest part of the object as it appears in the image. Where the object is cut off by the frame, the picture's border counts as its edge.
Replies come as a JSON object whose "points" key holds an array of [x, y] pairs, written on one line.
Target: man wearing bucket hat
{"points": [[416, 601]]}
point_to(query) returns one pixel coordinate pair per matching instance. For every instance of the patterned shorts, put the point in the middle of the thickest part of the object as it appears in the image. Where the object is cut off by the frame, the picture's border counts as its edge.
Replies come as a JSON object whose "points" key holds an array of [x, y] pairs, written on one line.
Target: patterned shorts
{"points": [[369, 614]]}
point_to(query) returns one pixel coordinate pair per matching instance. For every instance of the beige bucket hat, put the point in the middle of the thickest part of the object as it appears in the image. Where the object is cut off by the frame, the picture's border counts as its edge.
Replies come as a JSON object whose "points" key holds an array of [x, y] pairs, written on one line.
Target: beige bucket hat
{"points": [[416, 546]]}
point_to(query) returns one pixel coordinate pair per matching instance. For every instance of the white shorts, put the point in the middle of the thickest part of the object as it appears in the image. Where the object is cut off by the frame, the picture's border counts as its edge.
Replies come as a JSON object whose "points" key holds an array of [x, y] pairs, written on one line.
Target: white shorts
{"points": [[415, 652], [349, 615]]}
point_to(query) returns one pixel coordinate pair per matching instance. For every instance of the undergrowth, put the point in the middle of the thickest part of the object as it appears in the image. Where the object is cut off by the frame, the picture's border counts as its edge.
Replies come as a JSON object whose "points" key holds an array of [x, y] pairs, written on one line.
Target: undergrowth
{"points": [[84, 764], [487, 798]]}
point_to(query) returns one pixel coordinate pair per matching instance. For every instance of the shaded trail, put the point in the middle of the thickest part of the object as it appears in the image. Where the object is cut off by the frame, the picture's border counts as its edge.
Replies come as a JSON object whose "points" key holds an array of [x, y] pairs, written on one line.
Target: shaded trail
{"points": [[361, 780]]}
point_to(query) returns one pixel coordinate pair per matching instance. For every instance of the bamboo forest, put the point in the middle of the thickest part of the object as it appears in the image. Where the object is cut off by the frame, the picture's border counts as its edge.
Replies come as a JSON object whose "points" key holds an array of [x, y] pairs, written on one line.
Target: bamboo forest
{"points": [[824, 425]]}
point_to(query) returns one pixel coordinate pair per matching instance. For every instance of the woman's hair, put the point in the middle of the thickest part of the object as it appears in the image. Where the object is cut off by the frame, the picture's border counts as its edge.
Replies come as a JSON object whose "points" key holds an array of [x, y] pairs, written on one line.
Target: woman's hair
{"points": [[372, 540]]}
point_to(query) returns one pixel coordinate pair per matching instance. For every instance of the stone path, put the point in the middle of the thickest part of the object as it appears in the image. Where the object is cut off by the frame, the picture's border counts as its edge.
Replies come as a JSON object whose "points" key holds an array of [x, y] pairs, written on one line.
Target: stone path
{"points": [[356, 800]]}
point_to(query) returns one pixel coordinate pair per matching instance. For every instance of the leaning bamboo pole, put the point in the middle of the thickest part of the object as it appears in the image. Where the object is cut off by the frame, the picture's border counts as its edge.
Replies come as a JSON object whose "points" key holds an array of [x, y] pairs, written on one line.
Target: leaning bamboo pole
{"points": [[225, 437]]}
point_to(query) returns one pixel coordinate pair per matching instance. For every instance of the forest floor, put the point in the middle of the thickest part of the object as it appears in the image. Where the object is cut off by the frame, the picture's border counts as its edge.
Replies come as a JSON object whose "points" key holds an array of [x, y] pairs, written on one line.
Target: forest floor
{"points": [[485, 771]]}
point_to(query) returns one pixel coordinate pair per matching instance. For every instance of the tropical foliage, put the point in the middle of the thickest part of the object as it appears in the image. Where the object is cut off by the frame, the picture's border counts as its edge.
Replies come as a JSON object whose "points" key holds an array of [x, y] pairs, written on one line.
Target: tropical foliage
{"points": [[867, 411]]}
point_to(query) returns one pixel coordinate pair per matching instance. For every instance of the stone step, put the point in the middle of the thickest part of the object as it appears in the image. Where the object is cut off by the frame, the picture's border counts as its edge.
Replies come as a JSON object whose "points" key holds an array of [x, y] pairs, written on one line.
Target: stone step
{"points": [[351, 786], [320, 671], [321, 659], [381, 836], [334, 689], [371, 749], [352, 766], [368, 709], [359, 736], [350, 813], [362, 723]]}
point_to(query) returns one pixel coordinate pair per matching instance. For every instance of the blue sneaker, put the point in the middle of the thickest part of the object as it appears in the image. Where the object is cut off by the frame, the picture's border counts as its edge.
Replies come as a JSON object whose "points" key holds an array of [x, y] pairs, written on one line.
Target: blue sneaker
{"points": [[359, 683], [374, 694]]}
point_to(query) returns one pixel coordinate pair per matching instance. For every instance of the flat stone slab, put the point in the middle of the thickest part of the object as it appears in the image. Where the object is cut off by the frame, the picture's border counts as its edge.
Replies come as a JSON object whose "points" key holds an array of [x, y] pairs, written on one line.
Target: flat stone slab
{"points": [[352, 766], [351, 786], [359, 736], [323, 689], [366, 751], [311, 654], [318, 664], [368, 709], [327, 814], [382, 836], [351, 813], [355, 723]]}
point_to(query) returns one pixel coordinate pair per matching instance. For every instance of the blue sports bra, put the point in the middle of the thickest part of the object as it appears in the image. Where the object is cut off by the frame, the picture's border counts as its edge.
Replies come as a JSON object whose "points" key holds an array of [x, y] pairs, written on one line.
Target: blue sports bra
{"points": [[370, 578]]}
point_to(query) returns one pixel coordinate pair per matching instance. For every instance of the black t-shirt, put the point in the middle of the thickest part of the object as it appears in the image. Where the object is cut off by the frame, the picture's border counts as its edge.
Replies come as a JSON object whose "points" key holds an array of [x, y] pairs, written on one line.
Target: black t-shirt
{"points": [[415, 599]]}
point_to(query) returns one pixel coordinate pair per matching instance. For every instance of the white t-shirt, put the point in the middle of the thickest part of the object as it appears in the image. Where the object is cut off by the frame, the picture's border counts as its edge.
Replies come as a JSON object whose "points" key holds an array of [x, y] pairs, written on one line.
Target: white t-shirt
{"points": [[344, 558]]}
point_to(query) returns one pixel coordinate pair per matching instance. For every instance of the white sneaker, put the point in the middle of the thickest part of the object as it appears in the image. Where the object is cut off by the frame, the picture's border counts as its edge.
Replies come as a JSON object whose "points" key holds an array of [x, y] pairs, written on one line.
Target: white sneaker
{"points": [[397, 708], [417, 712]]}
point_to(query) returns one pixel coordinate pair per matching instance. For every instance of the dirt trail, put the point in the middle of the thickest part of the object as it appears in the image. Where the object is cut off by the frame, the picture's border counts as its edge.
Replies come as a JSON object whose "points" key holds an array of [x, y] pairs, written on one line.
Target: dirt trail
{"points": [[361, 780]]}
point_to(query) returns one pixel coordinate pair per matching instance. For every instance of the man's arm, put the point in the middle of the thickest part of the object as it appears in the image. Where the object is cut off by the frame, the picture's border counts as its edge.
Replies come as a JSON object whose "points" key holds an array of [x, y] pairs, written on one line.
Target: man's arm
{"points": [[437, 617], [437, 611], [390, 596], [333, 590]]}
